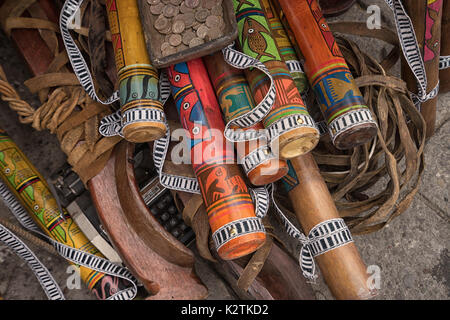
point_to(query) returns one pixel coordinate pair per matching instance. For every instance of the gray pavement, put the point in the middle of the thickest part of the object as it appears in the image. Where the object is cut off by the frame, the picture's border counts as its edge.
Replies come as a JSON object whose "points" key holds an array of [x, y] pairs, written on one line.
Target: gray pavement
{"points": [[412, 252]]}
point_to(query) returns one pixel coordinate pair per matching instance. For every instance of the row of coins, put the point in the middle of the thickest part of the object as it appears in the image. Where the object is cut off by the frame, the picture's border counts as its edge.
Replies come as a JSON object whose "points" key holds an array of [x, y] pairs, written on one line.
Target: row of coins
{"points": [[186, 24]]}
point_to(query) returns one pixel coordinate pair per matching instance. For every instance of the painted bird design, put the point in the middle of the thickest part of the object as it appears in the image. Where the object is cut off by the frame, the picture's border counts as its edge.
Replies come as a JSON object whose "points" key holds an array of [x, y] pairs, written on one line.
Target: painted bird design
{"points": [[252, 32]]}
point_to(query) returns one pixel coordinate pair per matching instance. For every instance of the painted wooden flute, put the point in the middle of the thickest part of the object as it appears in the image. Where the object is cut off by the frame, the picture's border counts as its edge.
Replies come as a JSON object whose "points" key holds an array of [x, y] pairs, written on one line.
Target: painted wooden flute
{"points": [[426, 17], [286, 48], [143, 119], [295, 130], [349, 120], [235, 99], [31, 189], [336, 254], [444, 74], [231, 213]]}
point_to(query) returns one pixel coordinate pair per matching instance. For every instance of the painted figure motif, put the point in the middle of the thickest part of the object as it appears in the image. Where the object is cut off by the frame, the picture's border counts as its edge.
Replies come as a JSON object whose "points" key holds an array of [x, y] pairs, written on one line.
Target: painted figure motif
{"points": [[350, 122], [231, 213], [32, 191], [235, 99], [289, 116], [142, 112]]}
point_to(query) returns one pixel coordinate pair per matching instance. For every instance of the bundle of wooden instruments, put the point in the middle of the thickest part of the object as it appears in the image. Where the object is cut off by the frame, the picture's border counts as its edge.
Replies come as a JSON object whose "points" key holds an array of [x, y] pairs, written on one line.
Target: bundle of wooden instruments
{"points": [[216, 130]]}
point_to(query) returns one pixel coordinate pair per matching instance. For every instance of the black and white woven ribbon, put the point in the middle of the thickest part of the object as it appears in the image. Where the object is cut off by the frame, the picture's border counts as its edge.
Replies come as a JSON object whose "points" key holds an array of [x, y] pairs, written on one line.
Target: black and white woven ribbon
{"points": [[76, 256], [411, 51], [240, 60], [323, 237], [444, 62], [79, 65], [48, 283]]}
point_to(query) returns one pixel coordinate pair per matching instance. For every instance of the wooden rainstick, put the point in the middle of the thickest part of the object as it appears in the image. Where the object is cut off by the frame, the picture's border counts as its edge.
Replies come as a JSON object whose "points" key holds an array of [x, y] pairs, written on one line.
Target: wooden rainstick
{"points": [[426, 17], [165, 278], [349, 120], [231, 213], [256, 40], [331, 8], [33, 192], [142, 112], [261, 165], [444, 74], [342, 268]]}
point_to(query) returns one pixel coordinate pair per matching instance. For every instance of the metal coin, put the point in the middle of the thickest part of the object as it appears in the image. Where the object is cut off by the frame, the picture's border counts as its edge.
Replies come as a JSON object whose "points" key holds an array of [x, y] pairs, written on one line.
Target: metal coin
{"points": [[202, 31], [178, 26], [208, 4], [157, 8], [175, 40], [188, 19], [217, 10], [187, 36], [213, 33], [196, 42], [212, 21], [184, 9], [161, 23], [165, 45], [201, 15], [182, 47], [169, 51], [150, 2], [192, 3], [176, 2], [170, 11]]}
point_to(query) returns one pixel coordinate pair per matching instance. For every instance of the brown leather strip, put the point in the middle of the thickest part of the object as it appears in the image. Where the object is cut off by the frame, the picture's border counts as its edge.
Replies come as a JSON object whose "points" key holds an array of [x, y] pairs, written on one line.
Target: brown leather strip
{"points": [[51, 80]]}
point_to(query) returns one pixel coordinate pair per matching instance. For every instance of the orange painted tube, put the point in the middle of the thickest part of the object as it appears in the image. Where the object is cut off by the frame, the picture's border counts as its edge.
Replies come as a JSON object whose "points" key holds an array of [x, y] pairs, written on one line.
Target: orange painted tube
{"points": [[231, 212], [349, 120]]}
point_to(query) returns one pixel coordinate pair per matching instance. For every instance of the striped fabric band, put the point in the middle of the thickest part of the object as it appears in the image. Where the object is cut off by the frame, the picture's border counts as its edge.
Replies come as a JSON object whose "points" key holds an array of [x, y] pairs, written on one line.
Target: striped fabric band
{"points": [[48, 283], [444, 62], [349, 120], [325, 236]]}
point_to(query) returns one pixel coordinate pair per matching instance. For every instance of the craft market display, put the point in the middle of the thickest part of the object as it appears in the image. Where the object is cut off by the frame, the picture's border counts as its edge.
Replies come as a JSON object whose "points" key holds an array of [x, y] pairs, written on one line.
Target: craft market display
{"points": [[240, 134]]}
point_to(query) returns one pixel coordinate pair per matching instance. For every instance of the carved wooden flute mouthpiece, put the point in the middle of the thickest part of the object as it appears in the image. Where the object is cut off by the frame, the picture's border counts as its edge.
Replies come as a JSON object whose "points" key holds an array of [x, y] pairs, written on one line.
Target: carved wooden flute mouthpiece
{"points": [[350, 122], [260, 164], [142, 112], [295, 130], [236, 229]]}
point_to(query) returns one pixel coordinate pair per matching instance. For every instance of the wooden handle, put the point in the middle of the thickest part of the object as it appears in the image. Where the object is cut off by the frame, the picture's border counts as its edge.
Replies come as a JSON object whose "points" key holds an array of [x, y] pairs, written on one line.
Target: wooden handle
{"points": [[256, 40], [235, 99], [349, 120], [138, 79], [444, 75], [342, 268], [426, 17], [228, 203]]}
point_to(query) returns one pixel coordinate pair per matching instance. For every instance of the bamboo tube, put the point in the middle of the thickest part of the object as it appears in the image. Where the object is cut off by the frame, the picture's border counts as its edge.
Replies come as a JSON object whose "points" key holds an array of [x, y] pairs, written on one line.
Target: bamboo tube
{"points": [[231, 213], [235, 99], [349, 120], [426, 17], [444, 75], [138, 80], [256, 40], [342, 268]]}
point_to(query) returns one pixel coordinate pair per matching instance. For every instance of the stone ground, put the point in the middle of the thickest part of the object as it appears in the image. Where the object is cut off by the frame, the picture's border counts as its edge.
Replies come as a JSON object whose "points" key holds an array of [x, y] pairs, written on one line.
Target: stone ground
{"points": [[412, 252]]}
